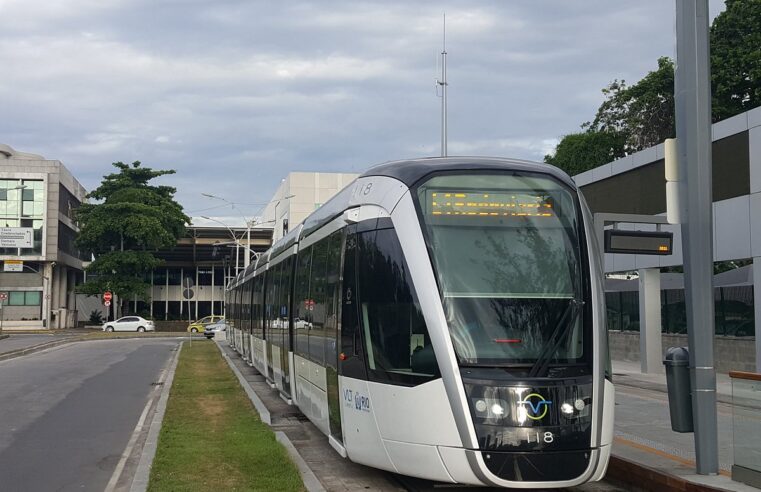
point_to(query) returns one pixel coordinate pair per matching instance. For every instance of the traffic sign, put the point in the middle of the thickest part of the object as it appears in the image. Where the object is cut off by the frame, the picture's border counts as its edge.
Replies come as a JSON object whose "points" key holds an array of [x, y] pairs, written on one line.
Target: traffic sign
{"points": [[107, 303], [3, 296], [107, 296]]}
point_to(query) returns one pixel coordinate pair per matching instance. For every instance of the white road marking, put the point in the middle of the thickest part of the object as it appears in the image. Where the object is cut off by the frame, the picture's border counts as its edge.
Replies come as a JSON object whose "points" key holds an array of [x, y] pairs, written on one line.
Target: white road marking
{"points": [[128, 450], [136, 433]]}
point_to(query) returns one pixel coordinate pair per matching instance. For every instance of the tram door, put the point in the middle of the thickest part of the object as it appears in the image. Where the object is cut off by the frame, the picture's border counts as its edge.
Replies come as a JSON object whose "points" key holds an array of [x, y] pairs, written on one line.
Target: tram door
{"points": [[333, 329]]}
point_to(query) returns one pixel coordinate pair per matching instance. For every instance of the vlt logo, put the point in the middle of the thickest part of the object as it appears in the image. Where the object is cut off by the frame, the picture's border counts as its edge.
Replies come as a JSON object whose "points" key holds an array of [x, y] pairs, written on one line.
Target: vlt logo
{"points": [[535, 405]]}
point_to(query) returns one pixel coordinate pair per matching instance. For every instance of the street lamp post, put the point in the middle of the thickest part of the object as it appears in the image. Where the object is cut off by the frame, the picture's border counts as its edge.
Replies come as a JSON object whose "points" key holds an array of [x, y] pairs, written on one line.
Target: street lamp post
{"points": [[45, 281], [247, 257], [275, 213], [247, 248]]}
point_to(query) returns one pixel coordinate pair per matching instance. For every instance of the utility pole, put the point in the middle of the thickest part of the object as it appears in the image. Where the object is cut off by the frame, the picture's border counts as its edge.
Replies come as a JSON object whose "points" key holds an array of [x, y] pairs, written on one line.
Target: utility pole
{"points": [[443, 84], [692, 91]]}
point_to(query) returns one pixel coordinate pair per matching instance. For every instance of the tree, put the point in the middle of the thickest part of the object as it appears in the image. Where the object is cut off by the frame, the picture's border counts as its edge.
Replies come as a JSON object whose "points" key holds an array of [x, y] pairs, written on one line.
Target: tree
{"points": [[644, 112], [129, 220], [579, 152], [736, 58]]}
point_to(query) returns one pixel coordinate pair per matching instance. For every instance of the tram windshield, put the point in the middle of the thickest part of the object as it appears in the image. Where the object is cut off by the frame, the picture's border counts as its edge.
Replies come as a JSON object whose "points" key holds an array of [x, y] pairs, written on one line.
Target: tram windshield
{"points": [[506, 253]]}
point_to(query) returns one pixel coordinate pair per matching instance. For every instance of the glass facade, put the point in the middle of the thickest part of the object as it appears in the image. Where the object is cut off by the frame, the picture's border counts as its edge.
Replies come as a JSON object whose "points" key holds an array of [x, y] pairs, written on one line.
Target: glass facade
{"points": [[733, 311], [22, 204]]}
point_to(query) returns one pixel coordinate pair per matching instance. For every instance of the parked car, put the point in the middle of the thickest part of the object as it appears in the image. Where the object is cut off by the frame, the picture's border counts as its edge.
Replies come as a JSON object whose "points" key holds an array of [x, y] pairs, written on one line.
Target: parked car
{"points": [[129, 323], [215, 328], [200, 325]]}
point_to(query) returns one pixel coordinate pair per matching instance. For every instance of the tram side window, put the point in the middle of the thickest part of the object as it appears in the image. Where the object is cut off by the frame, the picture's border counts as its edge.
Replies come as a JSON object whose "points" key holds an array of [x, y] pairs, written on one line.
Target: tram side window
{"points": [[269, 291], [285, 297], [317, 289], [302, 319], [398, 347], [246, 307], [256, 300], [332, 296]]}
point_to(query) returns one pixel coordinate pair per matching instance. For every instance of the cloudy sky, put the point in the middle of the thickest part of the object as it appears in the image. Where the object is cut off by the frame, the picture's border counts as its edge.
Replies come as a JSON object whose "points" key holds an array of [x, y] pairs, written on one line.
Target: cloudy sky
{"points": [[235, 94]]}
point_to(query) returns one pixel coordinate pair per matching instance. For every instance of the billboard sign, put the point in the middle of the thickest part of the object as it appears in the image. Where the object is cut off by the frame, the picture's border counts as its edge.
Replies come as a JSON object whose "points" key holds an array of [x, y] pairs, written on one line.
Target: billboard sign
{"points": [[16, 237]]}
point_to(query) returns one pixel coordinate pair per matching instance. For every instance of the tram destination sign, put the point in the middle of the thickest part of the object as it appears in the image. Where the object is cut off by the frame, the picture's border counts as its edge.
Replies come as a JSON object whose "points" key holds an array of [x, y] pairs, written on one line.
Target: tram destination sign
{"points": [[639, 242], [16, 237]]}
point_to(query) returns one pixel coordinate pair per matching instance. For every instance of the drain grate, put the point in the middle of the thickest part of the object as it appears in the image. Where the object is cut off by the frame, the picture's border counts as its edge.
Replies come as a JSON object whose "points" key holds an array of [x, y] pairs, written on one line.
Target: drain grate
{"points": [[157, 383]]}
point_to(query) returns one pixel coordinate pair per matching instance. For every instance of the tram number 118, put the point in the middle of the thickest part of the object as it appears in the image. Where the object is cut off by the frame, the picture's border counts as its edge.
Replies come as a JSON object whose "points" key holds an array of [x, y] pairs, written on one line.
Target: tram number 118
{"points": [[540, 437]]}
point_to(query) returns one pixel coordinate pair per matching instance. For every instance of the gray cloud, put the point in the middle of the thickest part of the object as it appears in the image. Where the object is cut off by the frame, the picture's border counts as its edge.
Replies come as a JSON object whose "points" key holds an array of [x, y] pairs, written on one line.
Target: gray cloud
{"points": [[234, 94]]}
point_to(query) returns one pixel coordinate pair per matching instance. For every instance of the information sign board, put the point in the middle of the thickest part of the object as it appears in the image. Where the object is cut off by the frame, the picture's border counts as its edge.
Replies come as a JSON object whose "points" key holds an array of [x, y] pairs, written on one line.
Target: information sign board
{"points": [[16, 237], [13, 266]]}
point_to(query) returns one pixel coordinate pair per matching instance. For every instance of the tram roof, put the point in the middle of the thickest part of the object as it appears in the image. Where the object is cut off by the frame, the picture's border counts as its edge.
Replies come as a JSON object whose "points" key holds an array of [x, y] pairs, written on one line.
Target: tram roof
{"points": [[411, 171]]}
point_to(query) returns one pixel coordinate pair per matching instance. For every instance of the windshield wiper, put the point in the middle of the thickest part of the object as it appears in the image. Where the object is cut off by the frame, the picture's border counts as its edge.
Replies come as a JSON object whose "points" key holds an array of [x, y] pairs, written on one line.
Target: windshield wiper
{"points": [[558, 336]]}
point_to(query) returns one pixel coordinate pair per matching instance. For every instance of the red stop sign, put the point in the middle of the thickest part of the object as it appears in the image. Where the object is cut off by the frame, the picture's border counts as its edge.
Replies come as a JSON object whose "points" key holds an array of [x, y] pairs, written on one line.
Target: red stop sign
{"points": [[107, 296]]}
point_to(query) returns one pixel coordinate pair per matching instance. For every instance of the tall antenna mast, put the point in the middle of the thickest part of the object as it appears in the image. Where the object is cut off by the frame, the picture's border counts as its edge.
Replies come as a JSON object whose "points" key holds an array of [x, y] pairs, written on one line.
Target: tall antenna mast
{"points": [[443, 84]]}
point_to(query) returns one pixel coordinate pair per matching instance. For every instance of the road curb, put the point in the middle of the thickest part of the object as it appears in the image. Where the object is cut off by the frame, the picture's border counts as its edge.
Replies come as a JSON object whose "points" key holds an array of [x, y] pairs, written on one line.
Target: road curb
{"points": [[143, 472], [82, 338], [264, 414], [311, 482], [628, 472], [37, 348]]}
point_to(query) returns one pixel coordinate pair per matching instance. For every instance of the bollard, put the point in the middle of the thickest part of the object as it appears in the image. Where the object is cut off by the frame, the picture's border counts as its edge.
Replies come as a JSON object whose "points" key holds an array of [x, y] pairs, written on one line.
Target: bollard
{"points": [[677, 364]]}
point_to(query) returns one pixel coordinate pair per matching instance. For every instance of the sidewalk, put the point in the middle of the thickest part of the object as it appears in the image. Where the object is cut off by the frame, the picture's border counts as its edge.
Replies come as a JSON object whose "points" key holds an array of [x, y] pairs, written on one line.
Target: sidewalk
{"points": [[643, 432]]}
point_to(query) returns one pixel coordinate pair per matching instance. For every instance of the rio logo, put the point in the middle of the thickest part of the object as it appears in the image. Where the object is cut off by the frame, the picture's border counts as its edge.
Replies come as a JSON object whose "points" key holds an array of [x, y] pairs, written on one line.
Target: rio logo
{"points": [[356, 400]]}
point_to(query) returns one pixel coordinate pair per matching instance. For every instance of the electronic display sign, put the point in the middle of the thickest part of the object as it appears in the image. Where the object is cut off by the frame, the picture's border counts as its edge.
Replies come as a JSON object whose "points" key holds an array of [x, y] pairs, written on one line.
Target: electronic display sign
{"points": [[488, 204], [639, 242]]}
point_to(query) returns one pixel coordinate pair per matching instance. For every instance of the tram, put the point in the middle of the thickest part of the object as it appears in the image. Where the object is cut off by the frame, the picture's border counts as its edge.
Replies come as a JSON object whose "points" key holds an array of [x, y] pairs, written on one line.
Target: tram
{"points": [[441, 318]]}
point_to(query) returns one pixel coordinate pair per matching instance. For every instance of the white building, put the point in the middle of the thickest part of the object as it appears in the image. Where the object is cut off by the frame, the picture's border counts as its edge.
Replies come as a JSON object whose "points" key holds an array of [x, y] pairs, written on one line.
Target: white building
{"points": [[299, 194]]}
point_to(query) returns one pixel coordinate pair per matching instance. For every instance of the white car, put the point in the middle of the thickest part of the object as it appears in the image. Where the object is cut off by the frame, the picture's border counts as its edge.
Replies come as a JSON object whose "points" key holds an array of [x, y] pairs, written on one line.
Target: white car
{"points": [[129, 323], [214, 328]]}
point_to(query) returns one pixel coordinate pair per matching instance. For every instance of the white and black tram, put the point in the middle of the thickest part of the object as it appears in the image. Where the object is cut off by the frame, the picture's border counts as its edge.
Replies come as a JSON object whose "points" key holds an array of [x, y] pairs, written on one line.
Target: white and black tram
{"points": [[442, 318]]}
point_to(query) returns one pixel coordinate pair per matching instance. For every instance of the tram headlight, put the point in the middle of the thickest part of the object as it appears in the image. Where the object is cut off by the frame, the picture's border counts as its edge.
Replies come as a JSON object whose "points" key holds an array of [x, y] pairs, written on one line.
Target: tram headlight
{"points": [[490, 408], [566, 408]]}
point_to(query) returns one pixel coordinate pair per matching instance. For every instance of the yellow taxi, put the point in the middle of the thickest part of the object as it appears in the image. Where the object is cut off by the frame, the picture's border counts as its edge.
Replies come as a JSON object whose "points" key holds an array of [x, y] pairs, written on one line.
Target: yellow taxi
{"points": [[200, 325]]}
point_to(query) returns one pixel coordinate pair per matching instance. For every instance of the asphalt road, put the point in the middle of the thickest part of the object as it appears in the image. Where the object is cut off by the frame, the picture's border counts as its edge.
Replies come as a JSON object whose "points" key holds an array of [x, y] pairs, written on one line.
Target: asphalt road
{"points": [[67, 414]]}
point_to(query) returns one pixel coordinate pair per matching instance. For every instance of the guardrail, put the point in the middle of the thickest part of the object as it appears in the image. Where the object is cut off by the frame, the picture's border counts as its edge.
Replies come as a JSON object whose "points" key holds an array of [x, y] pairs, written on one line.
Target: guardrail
{"points": [[746, 427]]}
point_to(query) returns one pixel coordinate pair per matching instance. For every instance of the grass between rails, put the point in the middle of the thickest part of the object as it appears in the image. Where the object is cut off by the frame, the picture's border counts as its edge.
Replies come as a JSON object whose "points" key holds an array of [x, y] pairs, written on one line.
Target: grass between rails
{"points": [[211, 437]]}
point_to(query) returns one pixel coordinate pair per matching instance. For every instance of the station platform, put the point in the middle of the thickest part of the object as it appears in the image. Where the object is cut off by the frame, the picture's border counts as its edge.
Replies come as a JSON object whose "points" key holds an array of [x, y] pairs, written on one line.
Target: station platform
{"points": [[647, 454]]}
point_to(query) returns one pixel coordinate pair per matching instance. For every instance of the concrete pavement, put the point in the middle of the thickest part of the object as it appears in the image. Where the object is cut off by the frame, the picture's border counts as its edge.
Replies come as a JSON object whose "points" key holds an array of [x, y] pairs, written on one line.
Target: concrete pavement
{"points": [[643, 432]]}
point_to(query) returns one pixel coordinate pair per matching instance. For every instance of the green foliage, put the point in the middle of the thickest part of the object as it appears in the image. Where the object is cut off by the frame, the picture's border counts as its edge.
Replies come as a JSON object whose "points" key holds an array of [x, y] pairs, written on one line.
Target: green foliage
{"points": [[130, 219], [736, 58], [96, 318], [579, 152], [643, 113]]}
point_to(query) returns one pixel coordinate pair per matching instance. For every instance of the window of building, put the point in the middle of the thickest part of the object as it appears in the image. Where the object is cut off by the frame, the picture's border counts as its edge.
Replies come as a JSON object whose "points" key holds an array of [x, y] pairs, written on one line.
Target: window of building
{"points": [[31, 298]]}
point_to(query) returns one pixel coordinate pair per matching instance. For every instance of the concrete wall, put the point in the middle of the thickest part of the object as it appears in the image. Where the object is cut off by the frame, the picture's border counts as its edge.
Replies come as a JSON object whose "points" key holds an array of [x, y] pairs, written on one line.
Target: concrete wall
{"points": [[731, 353]]}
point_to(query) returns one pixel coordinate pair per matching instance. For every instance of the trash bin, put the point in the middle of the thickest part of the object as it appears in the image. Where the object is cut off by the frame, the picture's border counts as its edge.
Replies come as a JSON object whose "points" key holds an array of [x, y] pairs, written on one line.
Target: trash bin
{"points": [[677, 364]]}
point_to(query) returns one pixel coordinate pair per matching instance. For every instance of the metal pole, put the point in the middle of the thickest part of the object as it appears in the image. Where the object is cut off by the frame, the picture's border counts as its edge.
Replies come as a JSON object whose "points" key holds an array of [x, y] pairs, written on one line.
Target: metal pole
{"points": [[693, 128], [444, 92], [247, 252]]}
